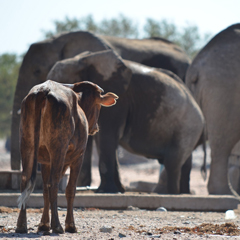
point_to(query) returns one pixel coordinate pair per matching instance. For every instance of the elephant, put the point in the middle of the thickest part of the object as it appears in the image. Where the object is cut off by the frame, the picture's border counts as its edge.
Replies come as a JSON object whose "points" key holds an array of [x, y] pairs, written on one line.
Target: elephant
{"points": [[214, 81], [156, 117], [41, 56], [146, 46]]}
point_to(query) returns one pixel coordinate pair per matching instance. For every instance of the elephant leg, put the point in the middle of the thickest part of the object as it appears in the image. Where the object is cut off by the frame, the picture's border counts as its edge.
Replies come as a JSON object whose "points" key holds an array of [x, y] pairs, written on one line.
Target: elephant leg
{"points": [[85, 176], [108, 164], [218, 178], [15, 150], [44, 224], [173, 163], [117, 177], [185, 176], [173, 178], [161, 187]]}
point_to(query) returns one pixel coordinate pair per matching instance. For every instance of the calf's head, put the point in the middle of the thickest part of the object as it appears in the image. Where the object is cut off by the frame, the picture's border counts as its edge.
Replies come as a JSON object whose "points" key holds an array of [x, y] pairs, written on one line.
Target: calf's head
{"points": [[91, 100]]}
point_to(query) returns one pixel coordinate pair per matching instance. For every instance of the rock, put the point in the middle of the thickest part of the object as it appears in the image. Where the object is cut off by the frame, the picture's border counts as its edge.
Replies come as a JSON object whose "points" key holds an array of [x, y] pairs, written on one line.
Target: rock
{"points": [[155, 236], [106, 229], [133, 208], [229, 214], [121, 235], [161, 209]]}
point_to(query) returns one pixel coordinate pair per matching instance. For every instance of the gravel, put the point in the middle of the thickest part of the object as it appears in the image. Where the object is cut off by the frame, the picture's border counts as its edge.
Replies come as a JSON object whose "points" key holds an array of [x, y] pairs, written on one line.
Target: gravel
{"points": [[127, 224]]}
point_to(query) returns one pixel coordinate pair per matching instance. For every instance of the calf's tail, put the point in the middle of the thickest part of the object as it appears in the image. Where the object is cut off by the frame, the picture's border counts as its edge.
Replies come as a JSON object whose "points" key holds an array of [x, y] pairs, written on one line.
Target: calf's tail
{"points": [[40, 99]]}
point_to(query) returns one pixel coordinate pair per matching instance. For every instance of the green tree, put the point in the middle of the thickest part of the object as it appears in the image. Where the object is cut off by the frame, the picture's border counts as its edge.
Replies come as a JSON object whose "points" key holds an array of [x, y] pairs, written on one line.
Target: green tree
{"points": [[88, 24], [164, 29], [9, 67], [188, 37], [63, 26], [189, 40], [120, 26]]}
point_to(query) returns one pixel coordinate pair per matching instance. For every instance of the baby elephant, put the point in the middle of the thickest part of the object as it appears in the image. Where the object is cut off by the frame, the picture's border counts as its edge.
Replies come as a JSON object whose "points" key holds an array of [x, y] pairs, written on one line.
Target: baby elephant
{"points": [[56, 120]]}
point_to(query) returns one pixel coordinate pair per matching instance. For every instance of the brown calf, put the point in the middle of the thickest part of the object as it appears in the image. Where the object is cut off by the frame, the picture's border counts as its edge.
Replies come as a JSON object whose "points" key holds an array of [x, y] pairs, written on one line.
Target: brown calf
{"points": [[56, 120]]}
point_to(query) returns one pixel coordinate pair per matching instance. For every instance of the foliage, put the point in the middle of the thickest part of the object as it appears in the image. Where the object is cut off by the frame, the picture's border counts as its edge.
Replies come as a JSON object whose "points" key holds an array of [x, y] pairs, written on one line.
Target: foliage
{"points": [[9, 67], [162, 29], [64, 26], [119, 27], [188, 37]]}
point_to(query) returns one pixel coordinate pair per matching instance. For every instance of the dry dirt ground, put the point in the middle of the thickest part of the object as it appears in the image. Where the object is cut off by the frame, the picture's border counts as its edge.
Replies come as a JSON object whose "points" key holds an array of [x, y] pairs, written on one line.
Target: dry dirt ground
{"points": [[127, 224], [131, 223]]}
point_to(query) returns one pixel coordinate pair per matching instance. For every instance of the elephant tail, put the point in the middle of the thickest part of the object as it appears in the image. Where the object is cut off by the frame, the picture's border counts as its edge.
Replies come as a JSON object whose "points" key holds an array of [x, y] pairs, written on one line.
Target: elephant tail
{"points": [[204, 166]]}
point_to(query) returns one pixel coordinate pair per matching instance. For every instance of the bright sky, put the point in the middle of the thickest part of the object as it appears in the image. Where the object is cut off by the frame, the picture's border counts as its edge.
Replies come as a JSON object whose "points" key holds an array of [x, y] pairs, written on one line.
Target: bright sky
{"points": [[22, 21]]}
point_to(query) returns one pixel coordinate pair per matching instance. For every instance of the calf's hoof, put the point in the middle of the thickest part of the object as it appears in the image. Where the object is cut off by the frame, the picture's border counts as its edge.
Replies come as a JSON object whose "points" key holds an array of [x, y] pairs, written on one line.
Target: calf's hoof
{"points": [[70, 228], [43, 227], [22, 229], [58, 230]]}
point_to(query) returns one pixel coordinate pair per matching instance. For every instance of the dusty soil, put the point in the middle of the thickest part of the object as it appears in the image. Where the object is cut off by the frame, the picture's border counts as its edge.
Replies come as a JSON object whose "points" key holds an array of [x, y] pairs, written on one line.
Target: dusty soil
{"points": [[128, 224], [132, 223]]}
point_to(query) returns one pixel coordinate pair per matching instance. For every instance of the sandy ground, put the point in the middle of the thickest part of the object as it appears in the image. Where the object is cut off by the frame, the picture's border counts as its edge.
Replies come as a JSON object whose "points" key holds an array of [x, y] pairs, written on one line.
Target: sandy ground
{"points": [[128, 224], [132, 223]]}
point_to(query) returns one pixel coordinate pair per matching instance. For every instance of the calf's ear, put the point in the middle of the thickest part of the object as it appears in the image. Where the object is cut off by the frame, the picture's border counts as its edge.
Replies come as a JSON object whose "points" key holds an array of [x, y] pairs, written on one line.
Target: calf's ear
{"points": [[108, 99]]}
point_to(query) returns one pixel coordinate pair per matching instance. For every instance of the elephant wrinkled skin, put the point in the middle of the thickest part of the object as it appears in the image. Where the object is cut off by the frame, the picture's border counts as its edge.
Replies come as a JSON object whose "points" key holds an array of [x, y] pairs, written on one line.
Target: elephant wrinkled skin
{"points": [[155, 117], [214, 80], [43, 55]]}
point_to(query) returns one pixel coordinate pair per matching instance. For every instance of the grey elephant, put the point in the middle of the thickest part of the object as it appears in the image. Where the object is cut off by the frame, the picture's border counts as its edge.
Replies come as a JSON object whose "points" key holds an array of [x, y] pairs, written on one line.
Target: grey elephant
{"points": [[214, 80], [155, 117], [43, 55]]}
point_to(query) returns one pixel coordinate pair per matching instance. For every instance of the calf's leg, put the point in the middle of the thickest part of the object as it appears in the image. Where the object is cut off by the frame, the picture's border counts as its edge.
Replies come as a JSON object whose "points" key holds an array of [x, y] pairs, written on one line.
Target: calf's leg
{"points": [[44, 224], [22, 221], [57, 159], [27, 155], [70, 194]]}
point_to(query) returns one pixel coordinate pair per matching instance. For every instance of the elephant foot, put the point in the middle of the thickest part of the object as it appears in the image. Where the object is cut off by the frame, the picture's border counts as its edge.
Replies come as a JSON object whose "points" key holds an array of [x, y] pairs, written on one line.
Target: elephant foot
{"points": [[160, 189], [70, 228], [121, 189], [83, 181], [43, 227], [22, 229], [109, 188], [217, 190]]}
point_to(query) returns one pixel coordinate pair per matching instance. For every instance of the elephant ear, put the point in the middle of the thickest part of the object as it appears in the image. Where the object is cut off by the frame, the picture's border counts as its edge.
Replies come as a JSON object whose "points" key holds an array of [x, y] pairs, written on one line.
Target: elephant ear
{"points": [[113, 74]]}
